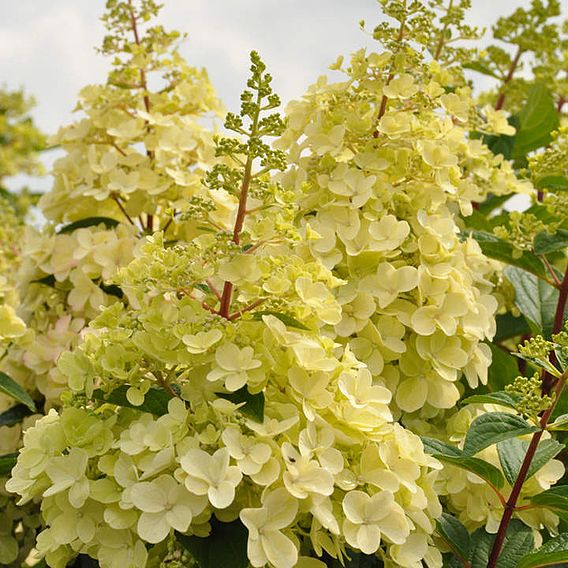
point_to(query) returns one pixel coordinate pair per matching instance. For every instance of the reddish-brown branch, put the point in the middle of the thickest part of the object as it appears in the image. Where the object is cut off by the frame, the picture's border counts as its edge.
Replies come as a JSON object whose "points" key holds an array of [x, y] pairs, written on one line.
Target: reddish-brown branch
{"points": [[384, 100], [116, 199], [551, 271], [511, 504], [166, 385], [442, 40], [561, 102], [561, 306], [225, 307], [248, 308], [507, 80], [145, 97], [213, 289]]}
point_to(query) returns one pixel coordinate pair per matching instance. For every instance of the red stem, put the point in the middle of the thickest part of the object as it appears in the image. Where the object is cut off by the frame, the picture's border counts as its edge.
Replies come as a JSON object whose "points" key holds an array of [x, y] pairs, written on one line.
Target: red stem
{"points": [[225, 308], [561, 306], [390, 77], [512, 69], [517, 487], [145, 97], [442, 41]]}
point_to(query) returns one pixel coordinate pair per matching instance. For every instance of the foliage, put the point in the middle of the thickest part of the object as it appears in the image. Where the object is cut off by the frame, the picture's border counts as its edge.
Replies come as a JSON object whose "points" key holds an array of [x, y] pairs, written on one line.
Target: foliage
{"points": [[315, 339]]}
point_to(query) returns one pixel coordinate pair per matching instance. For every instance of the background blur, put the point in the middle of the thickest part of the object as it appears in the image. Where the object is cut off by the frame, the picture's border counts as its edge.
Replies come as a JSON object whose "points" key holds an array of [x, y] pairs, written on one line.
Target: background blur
{"points": [[47, 47]]}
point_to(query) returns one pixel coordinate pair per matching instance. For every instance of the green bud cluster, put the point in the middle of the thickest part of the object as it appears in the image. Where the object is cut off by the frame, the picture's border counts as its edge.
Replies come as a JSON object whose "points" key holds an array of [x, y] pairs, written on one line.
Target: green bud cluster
{"points": [[536, 348], [531, 400], [520, 230]]}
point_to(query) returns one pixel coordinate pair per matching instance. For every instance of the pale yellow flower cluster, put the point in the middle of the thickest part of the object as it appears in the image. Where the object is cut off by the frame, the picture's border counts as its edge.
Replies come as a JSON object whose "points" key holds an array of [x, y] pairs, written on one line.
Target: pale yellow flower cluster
{"points": [[381, 195]]}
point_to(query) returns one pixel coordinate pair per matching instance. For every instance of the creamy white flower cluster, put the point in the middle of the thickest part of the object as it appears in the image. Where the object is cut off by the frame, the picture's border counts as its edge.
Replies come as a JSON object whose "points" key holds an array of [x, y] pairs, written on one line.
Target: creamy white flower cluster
{"points": [[381, 196], [324, 466]]}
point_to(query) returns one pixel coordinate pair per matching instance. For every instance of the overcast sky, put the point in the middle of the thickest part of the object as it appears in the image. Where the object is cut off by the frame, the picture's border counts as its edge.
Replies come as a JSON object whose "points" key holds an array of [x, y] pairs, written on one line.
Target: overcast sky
{"points": [[47, 47]]}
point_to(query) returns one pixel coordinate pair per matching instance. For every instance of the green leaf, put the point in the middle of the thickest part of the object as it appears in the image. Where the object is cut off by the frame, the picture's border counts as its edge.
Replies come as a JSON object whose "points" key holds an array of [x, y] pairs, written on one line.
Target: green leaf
{"points": [[554, 498], [510, 326], [112, 290], [540, 363], [7, 462], [10, 387], [553, 183], [48, 280], [535, 299], [498, 249], [225, 547], [560, 424], [512, 452], [480, 68], [155, 400], [491, 203], [108, 222], [487, 471], [545, 243], [504, 369], [555, 551], [254, 403], [357, 560], [517, 542], [284, 318], [454, 456], [502, 398], [455, 534], [537, 119], [493, 427], [14, 415]]}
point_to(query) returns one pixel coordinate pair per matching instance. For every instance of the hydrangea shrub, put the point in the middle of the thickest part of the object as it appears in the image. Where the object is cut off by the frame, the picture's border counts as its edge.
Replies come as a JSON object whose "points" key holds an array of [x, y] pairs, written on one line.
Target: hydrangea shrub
{"points": [[290, 342]]}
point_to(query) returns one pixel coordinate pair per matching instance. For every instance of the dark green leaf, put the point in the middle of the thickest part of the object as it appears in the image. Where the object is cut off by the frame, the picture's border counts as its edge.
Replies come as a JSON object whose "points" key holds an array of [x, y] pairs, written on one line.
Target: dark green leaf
{"points": [[112, 290], [491, 203], [537, 119], [488, 472], [7, 462], [498, 249], [478, 221], [450, 560], [48, 280], [437, 447], [504, 369], [501, 143], [512, 452], [555, 551], [14, 415], [89, 222], [454, 456], [518, 541], [493, 427], [540, 363], [225, 547], [254, 403], [359, 560], [553, 183], [545, 243], [554, 498], [455, 534], [155, 400], [535, 299], [510, 326], [501, 398], [10, 387], [284, 318]]}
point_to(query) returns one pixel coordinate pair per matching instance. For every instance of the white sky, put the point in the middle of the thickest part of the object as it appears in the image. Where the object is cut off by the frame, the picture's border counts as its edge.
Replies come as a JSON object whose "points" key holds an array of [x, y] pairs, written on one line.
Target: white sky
{"points": [[47, 46]]}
